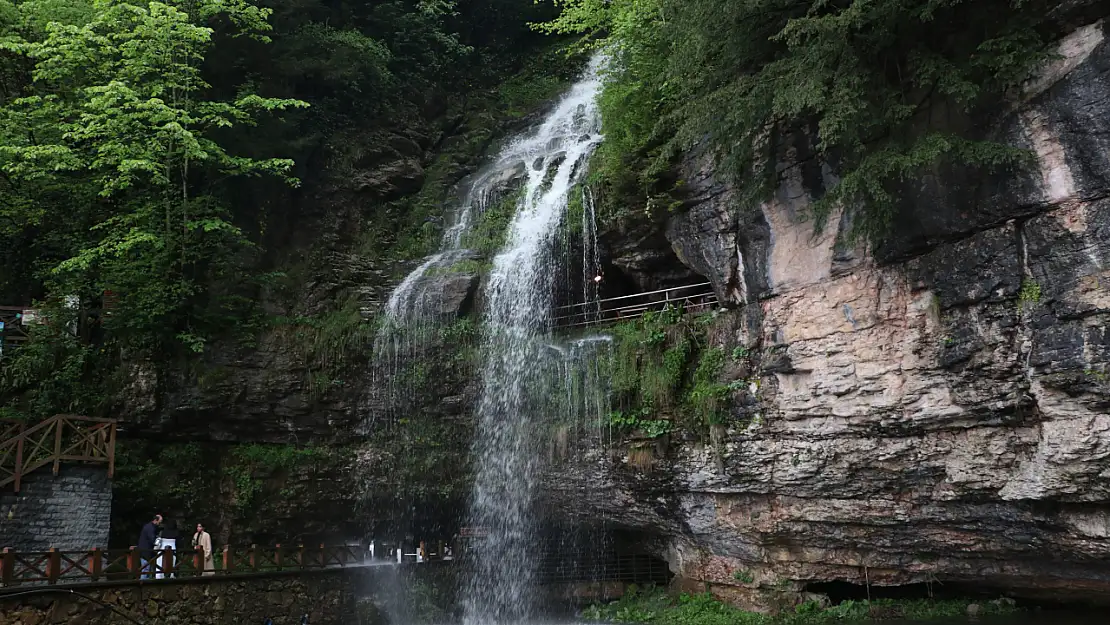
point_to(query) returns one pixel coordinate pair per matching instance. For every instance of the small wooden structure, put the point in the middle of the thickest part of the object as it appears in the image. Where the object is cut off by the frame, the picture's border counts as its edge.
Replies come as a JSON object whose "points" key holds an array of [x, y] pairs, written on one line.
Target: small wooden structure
{"points": [[12, 330], [61, 438]]}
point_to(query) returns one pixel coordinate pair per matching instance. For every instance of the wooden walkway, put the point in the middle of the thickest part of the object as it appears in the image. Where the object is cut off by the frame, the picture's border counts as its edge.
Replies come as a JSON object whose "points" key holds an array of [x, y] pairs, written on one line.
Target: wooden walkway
{"points": [[691, 298], [54, 567], [62, 438], [19, 570]]}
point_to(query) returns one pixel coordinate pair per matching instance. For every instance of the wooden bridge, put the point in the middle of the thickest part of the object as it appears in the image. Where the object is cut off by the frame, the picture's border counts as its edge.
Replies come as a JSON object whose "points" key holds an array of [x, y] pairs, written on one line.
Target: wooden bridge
{"points": [[691, 298], [61, 438]]}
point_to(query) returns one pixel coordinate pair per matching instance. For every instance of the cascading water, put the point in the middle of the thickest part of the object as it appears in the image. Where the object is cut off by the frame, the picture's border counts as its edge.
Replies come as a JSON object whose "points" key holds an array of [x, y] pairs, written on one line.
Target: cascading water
{"points": [[414, 314], [518, 361]]}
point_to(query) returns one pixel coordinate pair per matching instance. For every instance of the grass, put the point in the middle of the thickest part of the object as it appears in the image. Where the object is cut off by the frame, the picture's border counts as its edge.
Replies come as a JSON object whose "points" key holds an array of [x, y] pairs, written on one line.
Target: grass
{"points": [[657, 608]]}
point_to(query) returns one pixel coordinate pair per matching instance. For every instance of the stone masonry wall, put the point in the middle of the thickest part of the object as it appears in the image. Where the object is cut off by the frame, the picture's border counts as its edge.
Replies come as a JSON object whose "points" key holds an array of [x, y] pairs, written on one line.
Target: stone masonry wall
{"points": [[326, 597], [72, 511]]}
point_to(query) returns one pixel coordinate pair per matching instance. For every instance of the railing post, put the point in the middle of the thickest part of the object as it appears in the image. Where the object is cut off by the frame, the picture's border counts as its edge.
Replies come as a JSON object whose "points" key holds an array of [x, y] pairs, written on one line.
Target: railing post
{"points": [[323, 557], [112, 450], [198, 561], [96, 563], [277, 556], [134, 562], [53, 565], [7, 568], [229, 560], [167, 562], [253, 558], [300, 556], [19, 459], [58, 444]]}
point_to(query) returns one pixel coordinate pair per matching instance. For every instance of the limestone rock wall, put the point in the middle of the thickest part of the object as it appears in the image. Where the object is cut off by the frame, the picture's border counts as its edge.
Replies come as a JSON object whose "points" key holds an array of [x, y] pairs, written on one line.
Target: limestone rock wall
{"points": [[937, 409], [72, 511]]}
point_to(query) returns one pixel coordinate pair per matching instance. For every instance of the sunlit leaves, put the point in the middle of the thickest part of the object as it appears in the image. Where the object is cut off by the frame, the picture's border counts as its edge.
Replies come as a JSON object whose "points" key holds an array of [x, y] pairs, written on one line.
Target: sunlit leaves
{"points": [[119, 107]]}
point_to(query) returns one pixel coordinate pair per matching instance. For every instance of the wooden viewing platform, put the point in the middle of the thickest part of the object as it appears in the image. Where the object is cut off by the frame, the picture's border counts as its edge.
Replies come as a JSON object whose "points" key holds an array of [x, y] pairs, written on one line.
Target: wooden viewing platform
{"points": [[61, 438], [691, 298], [109, 565]]}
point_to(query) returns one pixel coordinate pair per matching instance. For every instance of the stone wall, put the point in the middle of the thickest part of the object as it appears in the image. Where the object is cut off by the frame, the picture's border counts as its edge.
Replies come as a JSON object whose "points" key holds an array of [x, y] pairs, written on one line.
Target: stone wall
{"points": [[72, 511], [326, 597]]}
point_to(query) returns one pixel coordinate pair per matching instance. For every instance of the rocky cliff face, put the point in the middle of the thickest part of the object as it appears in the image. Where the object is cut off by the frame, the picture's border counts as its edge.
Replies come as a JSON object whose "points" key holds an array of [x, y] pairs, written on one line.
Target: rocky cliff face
{"points": [[937, 409]]}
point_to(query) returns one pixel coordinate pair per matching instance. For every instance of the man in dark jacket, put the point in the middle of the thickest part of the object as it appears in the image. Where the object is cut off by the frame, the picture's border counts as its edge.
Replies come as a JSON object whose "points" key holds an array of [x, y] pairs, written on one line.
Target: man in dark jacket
{"points": [[147, 536]]}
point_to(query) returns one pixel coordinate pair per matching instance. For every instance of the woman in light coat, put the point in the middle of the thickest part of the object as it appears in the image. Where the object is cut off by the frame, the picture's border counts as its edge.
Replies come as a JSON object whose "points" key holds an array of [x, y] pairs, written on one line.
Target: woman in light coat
{"points": [[203, 542]]}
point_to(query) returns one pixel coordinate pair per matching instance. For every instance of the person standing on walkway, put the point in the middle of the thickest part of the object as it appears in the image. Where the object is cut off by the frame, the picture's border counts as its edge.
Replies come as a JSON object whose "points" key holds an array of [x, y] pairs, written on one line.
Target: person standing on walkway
{"points": [[203, 543], [147, 536]]}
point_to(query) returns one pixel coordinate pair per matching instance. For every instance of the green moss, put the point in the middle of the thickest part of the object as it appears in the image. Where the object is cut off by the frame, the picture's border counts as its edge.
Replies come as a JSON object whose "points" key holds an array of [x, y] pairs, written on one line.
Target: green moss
{"points": [[707, 395], [251, 465], [487, 236], [1030, 292], [659, 609], [461, 267], [661, 363], [743, 575], [329, 343]]}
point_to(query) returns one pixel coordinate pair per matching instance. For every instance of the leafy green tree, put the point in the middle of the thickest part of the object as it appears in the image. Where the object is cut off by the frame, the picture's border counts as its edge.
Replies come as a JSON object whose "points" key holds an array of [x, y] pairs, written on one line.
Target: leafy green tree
{"points": [[120, 104], [112, 144]]}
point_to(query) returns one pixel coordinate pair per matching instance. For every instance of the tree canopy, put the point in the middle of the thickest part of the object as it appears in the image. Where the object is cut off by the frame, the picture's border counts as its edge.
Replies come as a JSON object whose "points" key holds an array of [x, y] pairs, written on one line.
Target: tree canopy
{"points": [[884, 87], [146, 148]]}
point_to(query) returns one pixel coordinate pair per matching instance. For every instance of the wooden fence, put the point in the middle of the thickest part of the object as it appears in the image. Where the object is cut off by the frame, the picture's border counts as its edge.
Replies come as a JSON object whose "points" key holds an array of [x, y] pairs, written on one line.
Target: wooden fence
{"points": [[61, 438], [99, 565]]}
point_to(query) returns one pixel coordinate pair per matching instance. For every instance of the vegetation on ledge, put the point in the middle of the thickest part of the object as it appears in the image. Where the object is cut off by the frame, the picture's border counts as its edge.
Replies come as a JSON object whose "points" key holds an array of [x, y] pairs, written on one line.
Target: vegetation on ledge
{"points": [[657, 608], [666, 375], [884, 91]]}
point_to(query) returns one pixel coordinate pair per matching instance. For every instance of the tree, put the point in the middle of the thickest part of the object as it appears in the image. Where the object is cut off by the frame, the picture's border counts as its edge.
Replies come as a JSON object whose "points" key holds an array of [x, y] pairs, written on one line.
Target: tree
{"points": [[862, 78], [117, 122]]}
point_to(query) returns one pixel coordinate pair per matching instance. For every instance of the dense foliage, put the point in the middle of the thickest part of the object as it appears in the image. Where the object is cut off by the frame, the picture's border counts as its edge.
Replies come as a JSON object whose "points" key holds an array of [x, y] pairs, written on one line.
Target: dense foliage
{"points": [[666, 374], [652, 606], [151, 154], [884, 89]]}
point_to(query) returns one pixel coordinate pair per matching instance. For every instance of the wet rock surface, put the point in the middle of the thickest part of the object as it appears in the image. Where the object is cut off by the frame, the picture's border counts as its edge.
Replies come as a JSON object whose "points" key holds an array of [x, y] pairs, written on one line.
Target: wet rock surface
{"points": [[935, 409]]}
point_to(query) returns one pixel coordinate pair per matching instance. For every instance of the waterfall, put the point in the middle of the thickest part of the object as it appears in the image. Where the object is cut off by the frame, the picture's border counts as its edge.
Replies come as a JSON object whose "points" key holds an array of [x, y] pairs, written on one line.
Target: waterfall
{"points": [[414, 314], [518, 362]]}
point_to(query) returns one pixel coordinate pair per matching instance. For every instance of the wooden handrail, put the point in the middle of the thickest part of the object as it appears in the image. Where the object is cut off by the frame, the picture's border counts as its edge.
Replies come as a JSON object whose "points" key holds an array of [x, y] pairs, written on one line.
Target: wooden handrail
{"points": [[80, 567], [61, 438]]}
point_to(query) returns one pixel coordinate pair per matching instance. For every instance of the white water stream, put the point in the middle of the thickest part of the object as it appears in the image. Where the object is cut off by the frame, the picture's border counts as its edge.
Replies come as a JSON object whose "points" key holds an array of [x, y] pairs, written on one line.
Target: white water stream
{"points": [[517, 361]]}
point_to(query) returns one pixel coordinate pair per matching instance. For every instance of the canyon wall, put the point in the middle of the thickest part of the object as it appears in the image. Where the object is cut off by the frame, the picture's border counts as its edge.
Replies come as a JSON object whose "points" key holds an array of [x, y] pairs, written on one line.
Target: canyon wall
{"points": [[933, 409]]}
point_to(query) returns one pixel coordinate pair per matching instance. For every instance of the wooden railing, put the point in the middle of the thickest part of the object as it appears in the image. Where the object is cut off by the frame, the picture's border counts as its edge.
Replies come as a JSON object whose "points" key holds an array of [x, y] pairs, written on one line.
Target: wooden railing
{"points": [[691, 298], [61, 438], [99, 565], [131, 565]]}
